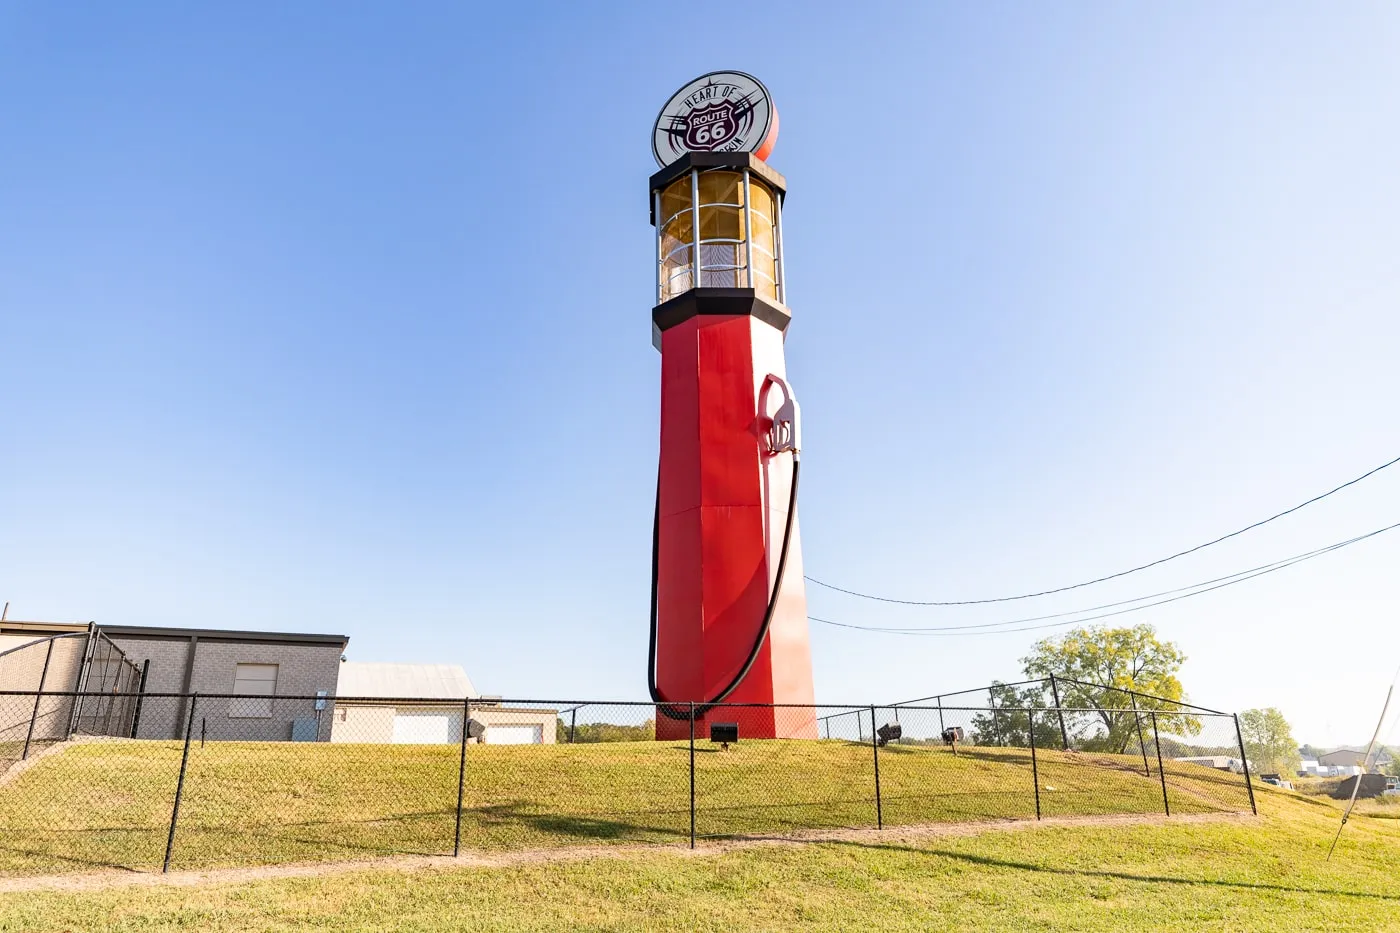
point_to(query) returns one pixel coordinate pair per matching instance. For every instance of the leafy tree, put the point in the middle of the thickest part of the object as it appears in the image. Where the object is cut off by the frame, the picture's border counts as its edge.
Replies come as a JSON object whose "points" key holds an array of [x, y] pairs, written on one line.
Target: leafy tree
{"points": [[1090, 661], [604, 732], [1311, 751], [1269, 742], [1011, 722]]}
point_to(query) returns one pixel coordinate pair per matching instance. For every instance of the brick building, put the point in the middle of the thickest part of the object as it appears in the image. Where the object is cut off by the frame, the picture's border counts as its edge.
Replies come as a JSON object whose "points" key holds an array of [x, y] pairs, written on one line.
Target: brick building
{"points": [[245, 674]]}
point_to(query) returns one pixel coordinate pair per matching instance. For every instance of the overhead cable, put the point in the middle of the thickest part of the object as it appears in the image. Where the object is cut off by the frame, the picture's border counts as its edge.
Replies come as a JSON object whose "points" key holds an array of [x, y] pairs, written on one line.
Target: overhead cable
{"points": [[1112, 576], [998, 628]]}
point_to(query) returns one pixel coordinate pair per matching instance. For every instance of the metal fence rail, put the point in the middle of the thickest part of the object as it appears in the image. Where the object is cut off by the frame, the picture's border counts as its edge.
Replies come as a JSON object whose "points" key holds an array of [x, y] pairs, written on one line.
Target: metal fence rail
{"points": [[204, 780]]}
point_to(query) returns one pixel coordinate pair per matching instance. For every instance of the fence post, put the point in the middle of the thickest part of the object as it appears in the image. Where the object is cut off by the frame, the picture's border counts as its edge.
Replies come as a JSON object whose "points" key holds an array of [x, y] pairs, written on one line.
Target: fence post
{"points": [[140, 697], [573, 723], [875, 747], [996, 722], [1035, 767], [1137, 717], [1064, 733], [180, 784], [1244, 760], [80, 684], [37, 696], [461, 776], [1161, 772], [692, 774], [941, 727]]}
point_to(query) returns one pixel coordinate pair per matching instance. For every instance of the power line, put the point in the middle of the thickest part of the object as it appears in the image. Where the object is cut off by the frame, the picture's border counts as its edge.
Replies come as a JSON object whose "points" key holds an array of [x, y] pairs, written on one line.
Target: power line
{"points": [[1196, 589], [1137, 599], [1112, 576]]}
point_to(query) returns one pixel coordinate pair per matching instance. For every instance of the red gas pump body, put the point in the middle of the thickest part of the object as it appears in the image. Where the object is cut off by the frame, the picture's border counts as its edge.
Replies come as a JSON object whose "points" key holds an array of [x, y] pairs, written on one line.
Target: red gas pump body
{"points": [[722, 511]]}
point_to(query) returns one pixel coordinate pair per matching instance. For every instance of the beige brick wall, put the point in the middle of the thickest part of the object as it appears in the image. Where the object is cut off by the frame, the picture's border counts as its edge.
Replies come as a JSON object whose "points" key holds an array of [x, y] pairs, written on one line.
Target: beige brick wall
{"points": [[301, 670], [161, 717], [51, 715]]}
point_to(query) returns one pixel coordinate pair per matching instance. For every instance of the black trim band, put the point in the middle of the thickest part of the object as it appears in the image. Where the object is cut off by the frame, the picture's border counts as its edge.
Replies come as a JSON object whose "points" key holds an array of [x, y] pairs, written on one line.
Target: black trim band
{"points": [[699, 301]]}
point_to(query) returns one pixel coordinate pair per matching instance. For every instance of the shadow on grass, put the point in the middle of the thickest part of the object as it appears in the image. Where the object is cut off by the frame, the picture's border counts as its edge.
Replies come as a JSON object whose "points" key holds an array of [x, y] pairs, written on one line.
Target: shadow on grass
{"points": [[583, 827], [985, 861]]}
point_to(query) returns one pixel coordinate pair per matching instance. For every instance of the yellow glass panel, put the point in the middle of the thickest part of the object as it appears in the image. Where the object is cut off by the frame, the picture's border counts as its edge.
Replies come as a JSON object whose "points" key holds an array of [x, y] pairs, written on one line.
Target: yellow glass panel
{"points": [[680, 230], [675, 198], [762, 197], [675, 275], [765, 270], [721, 188], [763, 233], [721, 223]]}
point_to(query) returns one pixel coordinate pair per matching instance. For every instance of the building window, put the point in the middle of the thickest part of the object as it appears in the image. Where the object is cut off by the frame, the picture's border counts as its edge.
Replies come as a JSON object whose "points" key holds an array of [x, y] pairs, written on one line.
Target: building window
{"points": [[257, 683]]}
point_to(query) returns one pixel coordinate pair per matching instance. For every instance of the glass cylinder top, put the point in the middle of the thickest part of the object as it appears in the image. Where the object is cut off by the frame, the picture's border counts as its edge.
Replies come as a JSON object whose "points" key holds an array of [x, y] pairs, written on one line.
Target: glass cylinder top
{"points": [[733, 217]]}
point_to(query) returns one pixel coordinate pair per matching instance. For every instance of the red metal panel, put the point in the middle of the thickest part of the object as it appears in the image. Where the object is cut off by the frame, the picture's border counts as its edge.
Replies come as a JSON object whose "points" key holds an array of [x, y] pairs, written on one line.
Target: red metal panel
{"points": [[723, 509]]}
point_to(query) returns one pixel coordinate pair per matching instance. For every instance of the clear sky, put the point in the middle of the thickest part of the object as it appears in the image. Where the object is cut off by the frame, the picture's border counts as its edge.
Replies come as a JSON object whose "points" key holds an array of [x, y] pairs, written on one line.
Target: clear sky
{"points": [[331, 317]]}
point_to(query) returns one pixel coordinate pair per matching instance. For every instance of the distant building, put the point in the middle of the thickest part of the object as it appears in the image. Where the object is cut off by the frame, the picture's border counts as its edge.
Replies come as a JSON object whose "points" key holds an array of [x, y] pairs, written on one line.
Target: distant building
{"points": [[123, 660], [420, 704], [1355, 757]]}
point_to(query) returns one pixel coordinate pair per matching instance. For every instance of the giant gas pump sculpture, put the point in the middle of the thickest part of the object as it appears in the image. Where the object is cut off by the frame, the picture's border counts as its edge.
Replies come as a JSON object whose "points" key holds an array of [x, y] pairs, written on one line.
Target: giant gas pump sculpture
{"points": [[729, 612]]}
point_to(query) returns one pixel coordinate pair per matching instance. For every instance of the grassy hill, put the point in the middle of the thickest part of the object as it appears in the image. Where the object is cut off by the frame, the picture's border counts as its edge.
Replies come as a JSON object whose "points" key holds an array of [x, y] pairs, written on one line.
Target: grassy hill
{"points": [[102, 803], [1264, 874]]}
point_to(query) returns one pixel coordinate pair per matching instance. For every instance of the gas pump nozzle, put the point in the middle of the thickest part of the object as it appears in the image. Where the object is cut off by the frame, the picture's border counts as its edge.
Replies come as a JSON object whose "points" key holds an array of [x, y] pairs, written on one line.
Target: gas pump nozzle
{"points": [[785, 434]]}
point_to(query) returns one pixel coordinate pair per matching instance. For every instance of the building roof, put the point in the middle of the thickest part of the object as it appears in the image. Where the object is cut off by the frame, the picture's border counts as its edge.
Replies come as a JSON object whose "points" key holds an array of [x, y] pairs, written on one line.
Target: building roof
{"points": [[15, 627], [1351, 756], [219, 634], [383, 681]]}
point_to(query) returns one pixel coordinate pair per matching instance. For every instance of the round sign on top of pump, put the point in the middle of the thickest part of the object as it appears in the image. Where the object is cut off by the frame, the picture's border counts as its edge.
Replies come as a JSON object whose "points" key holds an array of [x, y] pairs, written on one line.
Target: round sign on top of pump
{"points": [[723, 111]]}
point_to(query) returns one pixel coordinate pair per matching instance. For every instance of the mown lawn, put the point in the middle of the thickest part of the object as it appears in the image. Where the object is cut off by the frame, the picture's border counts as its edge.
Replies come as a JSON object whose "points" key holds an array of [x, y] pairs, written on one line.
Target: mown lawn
{"points": [[108, 804], [1265, 874]]}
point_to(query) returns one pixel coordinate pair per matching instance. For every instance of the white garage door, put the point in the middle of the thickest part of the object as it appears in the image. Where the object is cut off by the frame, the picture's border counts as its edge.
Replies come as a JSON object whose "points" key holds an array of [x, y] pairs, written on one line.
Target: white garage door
{"points": [[426, 727], [514, 735]]}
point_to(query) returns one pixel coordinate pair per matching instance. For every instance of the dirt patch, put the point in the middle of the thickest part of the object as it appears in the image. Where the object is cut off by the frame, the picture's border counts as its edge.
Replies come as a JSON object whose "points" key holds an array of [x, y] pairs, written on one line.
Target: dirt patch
{"points": [[704, 848]]}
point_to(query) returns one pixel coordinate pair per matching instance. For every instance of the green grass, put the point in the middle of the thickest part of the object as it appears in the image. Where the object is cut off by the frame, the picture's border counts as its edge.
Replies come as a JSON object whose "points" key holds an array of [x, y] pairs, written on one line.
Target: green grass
{"points": [[1265, 874], [104, 804]]}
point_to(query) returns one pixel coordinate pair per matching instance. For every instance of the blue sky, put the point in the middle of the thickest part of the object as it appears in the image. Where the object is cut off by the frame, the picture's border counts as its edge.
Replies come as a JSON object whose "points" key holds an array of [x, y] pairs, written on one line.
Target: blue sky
{"points": [[336, 319]]}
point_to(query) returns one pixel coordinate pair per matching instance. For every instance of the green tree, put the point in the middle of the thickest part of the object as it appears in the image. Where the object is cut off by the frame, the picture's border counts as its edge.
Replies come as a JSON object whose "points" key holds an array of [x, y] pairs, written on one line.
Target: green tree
{"points": [[588, 732], [1268, 741], [1010, 722], [1095, 665]]}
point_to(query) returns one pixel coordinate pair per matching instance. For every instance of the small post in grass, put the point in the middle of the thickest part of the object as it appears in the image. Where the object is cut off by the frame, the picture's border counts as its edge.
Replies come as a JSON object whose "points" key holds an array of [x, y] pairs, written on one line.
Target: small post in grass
{"points": [[180, 784], [1157, 740], [875, 747], [1064, 733], [461, 776], [1137, 717], [1035, 767], [1244, 761], [996, 723], [692, 774]]}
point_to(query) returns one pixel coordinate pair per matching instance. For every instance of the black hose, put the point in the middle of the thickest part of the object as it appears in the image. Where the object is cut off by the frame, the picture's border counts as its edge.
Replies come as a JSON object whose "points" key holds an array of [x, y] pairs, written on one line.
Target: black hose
{"points": [[674, 710]]}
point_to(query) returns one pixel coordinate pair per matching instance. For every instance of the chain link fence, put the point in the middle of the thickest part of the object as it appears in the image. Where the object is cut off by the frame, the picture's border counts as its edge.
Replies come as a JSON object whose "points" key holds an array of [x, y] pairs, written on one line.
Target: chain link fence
{"points": [[203, 781]]}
